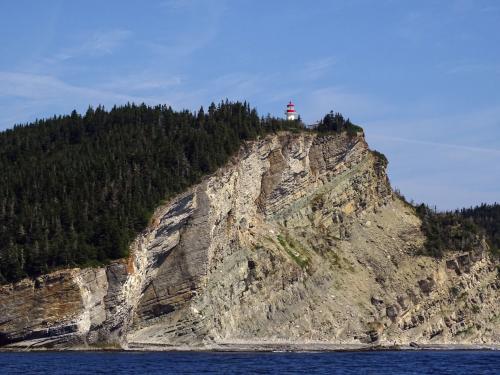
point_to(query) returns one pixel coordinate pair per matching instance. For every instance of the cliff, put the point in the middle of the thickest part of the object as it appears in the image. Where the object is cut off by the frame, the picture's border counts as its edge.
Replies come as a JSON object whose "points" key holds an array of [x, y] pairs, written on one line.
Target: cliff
{"points": [[297, 240]]}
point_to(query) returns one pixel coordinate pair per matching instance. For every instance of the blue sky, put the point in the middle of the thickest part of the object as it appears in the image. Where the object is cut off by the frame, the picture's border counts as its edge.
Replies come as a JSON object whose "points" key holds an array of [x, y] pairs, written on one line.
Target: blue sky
{"points": [[422, 77]]}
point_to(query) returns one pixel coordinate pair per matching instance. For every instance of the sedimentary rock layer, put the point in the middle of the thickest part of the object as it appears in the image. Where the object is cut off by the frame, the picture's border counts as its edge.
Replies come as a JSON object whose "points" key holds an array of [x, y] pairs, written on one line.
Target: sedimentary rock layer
{"points": [[297, 240]]}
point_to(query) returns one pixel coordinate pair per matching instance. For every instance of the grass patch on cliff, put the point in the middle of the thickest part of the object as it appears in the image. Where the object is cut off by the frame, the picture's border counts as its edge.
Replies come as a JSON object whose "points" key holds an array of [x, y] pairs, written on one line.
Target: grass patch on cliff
{"points": [[462, 297], [295, 250], [495, 318], [465, 332], [454, 291], [334, 258]]}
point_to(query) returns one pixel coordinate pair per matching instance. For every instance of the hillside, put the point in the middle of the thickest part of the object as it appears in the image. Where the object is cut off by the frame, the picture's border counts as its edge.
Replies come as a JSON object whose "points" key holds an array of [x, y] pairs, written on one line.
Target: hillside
{"points": [[296, 242], [76, 190]]}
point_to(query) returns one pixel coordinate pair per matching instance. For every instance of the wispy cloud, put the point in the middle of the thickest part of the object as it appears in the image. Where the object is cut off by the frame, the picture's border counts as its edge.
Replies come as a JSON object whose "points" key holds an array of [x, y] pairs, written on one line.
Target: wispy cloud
{"points": [[461, 127], [105, 42], [241, 85], [32, 94], [182, 46], [447, 160], [46, 87], [147, 81], [437, 144], [201, 27], [438, 173], [97, 43], [316, 69]]}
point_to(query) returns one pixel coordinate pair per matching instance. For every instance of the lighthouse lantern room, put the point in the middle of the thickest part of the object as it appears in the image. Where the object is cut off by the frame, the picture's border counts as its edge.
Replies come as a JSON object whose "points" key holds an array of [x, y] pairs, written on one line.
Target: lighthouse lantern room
{"points": [[291, 113]]}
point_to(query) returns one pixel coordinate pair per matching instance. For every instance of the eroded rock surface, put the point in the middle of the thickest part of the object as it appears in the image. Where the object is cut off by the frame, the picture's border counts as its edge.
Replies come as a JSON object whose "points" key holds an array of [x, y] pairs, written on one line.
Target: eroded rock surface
{"points": [[298, 239]]}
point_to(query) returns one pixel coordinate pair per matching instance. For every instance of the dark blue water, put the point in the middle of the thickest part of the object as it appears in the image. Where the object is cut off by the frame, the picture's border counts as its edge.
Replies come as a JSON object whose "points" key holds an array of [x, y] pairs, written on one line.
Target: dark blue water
{"points": [[418, 362]]}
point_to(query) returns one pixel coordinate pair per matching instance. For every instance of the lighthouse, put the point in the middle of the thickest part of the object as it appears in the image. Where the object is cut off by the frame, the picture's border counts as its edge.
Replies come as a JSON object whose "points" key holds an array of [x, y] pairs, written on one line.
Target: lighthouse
{"points": [[291, 113]]}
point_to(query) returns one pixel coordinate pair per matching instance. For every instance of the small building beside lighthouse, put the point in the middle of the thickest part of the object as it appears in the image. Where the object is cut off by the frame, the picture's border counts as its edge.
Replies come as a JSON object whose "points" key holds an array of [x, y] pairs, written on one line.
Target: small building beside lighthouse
{"points": [[291, 113]]}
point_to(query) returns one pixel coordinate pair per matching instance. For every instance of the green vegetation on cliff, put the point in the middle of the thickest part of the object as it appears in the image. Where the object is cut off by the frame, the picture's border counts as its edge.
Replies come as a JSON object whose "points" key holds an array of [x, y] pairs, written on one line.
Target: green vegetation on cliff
{"points": [[460, 230], [75, 190], [335, 122], [487, 216], [447, 231]]}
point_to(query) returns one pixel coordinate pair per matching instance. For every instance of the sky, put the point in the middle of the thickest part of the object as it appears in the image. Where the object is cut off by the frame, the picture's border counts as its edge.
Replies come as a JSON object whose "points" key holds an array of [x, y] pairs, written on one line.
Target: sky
{"points": [[421, 77]]}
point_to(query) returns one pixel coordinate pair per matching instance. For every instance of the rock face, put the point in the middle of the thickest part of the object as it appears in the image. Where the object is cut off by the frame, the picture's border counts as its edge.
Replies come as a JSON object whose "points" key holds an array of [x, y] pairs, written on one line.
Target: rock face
{"points": [[298, 239]]}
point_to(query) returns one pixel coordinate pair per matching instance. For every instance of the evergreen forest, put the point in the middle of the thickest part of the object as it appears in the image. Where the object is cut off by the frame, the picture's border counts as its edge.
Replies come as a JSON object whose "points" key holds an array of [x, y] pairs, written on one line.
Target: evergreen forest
{"points": [[460, 230], [76, 189]]}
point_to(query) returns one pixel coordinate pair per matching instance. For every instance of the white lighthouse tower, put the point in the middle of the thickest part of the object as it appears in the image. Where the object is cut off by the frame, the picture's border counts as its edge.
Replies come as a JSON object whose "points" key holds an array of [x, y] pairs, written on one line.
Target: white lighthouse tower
{"points": [[291, 113]]}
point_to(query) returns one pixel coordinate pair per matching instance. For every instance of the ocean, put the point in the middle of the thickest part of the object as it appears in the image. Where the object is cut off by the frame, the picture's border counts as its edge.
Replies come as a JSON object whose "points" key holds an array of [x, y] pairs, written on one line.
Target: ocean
{"points": [[149, 363]]}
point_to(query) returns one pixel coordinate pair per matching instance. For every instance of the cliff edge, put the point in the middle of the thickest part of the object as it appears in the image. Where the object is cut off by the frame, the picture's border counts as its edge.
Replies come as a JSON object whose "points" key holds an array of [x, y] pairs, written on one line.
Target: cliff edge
{"points": [[299, 239]]}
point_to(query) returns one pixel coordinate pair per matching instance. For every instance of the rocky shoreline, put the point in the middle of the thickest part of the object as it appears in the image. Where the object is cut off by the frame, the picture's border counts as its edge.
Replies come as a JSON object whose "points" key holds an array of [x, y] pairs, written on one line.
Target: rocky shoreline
{"points": [[313, 347], [261, 347]]}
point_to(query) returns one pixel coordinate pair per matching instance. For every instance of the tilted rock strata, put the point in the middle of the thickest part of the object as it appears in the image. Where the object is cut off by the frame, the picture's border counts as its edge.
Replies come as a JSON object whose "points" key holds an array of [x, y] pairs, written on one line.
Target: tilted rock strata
{"points": [[298, 239]]}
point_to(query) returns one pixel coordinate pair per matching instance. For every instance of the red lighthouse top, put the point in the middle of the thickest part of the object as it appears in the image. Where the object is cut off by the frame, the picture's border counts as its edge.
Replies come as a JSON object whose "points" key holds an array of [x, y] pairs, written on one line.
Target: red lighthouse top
{"points": [[290, 107]]}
